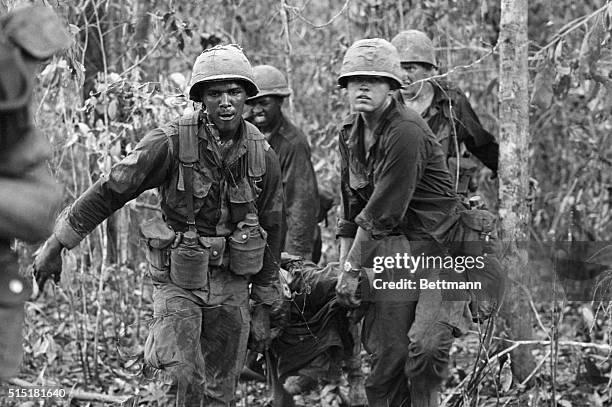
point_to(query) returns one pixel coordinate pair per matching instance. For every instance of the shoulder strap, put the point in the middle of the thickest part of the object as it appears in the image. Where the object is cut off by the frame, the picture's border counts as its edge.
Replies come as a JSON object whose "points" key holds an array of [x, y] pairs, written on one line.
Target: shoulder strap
{"points": [[188, 155], [256, 150], [188, 137]]}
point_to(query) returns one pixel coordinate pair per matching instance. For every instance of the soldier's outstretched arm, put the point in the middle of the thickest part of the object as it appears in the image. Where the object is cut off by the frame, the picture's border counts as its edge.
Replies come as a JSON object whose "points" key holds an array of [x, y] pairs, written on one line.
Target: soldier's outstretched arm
{"points": [[143, 168]]}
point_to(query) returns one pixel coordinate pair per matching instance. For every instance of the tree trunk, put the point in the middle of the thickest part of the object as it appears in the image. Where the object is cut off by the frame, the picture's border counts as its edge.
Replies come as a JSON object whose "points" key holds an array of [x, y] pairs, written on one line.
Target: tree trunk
{"points": [[514, 178]]}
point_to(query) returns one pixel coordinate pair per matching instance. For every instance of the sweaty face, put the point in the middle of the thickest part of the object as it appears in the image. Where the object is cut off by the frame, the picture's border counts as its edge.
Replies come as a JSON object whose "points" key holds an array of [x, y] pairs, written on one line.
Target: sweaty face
{"points": [[265, 111], [414, 71], [224, 103], [368, 93]]}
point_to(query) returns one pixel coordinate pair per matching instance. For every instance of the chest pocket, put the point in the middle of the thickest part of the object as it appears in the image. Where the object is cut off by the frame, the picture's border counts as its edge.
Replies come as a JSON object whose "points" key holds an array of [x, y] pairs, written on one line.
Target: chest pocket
{"points": [[242, 192], [202, 184]]}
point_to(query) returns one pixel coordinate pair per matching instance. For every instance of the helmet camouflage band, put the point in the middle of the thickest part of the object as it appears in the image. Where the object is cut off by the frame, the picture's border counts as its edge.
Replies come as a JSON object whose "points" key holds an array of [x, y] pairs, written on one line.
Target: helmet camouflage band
{"points": [[270, 81], [221, 63], [415, 46], [371, 57]]}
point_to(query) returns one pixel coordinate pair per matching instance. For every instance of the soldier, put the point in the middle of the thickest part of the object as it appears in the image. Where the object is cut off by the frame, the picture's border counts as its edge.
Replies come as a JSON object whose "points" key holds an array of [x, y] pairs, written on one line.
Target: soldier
{"points": [[291, 146], [445, 109], [28, 194], [221, 200], [395, 188]]}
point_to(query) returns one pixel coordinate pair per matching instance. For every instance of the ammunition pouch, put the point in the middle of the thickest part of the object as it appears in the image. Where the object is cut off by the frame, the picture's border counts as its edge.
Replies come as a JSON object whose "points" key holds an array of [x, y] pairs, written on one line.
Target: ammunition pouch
{"points": [[467, 233], [216, 247], [472, 233], [157, 238], [247, 246]]}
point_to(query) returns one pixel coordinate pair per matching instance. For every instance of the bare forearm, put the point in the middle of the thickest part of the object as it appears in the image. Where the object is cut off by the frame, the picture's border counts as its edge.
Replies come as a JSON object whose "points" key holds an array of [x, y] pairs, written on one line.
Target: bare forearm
{"points": [[361, 249], [345, 246]]}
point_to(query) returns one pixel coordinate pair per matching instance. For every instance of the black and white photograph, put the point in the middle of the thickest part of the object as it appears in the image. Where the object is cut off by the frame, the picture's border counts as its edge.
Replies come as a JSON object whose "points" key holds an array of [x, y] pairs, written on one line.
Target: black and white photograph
{"points": [[305, 203]]}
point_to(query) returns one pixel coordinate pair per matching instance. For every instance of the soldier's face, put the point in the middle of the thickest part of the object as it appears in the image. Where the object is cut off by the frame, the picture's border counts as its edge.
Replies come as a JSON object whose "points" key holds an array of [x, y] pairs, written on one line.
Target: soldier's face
{"points": [[224, 103], [368, 93], [415, 72], [265, 111]]}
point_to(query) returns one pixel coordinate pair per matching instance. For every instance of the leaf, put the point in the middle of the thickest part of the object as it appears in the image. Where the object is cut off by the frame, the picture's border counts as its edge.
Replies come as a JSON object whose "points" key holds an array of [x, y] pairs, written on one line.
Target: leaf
{"points": [[590, 49], [113, 109], [558, 54], [543, 94], [505, 377], [74, 30], [564, 403]]}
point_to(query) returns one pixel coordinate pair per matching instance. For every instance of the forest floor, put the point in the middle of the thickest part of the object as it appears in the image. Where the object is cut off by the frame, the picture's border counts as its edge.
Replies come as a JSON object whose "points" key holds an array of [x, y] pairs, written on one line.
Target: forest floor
{"points": [[581, 370]]}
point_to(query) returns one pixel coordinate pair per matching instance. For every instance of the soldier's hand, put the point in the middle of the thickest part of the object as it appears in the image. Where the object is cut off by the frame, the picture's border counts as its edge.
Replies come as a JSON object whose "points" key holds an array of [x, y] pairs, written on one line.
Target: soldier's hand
{"points": [[259, 337], [48, 262], [347, 289]]}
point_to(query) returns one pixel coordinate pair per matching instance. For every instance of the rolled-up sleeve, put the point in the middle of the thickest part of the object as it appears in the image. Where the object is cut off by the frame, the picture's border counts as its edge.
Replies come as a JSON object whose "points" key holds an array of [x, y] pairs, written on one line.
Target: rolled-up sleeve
{"points": [[265, 284], [145, 167]]}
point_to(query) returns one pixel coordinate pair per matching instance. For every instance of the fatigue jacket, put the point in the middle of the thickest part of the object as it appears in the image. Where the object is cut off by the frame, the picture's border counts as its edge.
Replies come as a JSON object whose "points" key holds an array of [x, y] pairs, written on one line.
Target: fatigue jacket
{"points": [[299, 186], [402, 185], [223, 193], [450, 111]]}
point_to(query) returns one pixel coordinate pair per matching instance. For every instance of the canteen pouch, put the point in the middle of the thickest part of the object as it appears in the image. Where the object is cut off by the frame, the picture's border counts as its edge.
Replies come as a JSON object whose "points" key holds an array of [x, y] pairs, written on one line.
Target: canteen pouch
{"points": [[217, 249], [157, 238], [476, 233], [473, 233], [246, 249], [189, 264], [467, 233]]}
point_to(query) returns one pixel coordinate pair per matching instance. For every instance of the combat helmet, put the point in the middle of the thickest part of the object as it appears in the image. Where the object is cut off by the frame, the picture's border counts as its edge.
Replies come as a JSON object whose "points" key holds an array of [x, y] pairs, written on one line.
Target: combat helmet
{"points": [[415, 46], [270, 81], [221, 63], [371, 57]]}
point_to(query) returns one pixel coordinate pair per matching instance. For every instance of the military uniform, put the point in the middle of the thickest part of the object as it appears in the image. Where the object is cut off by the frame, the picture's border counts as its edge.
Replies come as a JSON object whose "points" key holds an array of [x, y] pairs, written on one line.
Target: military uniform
{"points": [[398, 194], [299, 179], [449, 114], [215, 254], [199, 335], [299, 186], [28, 194], [395, 189]]}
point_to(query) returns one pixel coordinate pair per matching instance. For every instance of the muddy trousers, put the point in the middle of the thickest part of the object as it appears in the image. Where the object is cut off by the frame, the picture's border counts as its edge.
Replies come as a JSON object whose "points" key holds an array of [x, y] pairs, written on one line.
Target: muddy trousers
{"points": [[200, 347], [410, 342]]}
